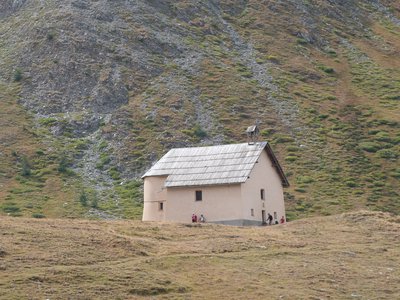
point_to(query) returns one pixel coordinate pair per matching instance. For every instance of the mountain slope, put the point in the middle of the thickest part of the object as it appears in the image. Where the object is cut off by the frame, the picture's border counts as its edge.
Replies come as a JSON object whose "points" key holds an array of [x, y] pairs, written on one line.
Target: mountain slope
{"points": [[108, 87]]}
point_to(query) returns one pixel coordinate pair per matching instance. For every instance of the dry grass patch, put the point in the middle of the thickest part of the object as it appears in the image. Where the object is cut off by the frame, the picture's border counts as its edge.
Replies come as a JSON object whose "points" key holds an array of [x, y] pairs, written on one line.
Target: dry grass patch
{"points": [[337, 257]]}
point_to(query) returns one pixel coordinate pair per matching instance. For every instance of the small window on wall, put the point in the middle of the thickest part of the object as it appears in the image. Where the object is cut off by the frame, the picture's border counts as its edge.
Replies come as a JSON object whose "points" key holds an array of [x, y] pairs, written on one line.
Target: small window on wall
{"points": [[252, 212], [161, 206], [262, 194], [199, 195]]}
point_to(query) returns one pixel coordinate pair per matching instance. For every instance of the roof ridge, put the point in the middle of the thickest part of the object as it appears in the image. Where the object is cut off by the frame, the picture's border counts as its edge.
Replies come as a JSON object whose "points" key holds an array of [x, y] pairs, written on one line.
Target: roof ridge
{"points": [[225, 145], [224, 164], [163, 162]]}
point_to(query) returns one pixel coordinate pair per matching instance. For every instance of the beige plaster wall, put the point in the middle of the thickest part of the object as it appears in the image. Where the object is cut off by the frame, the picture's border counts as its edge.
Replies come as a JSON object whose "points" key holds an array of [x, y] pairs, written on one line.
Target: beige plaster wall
{"points": [[219, 203], [154, 193], [263, 176]]}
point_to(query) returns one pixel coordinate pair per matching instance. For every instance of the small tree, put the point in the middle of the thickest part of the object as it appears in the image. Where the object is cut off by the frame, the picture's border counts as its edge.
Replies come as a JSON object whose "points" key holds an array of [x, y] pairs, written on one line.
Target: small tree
{"points": [[26, 166], [50, 36], [62, 165], [199, 132], [83, 198], [94, 203], [18, 75]]}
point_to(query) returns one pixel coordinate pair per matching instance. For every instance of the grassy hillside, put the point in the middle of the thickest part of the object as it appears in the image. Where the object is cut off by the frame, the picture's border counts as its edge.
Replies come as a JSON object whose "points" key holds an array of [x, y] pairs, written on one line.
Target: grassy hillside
{"points": [[97, 91], [349, 256]]}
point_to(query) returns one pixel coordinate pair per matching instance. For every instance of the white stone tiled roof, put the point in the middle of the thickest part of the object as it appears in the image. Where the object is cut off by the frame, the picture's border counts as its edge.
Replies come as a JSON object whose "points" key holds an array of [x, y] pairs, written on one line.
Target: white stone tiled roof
{"points": [[225, 164]]}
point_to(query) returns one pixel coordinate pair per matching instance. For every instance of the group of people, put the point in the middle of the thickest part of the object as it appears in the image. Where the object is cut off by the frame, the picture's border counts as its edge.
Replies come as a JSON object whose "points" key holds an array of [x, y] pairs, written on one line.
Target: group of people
{"points": [[270, 219], [195, 219]]}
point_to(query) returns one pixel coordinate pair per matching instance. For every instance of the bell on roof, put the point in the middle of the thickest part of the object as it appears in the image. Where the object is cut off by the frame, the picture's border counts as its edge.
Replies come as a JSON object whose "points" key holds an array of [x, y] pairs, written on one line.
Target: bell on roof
{"points": [[252, 134]]}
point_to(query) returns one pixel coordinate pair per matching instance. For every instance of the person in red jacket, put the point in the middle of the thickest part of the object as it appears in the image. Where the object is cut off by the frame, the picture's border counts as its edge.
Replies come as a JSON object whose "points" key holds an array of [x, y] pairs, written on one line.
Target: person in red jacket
{"points": [[194, 218]]}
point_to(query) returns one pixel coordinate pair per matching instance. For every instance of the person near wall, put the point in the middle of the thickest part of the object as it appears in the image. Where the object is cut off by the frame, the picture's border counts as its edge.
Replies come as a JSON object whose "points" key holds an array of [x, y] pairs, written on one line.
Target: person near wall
{"points": [[194, 218], [202, 219], [282, 221], [270, 218]]}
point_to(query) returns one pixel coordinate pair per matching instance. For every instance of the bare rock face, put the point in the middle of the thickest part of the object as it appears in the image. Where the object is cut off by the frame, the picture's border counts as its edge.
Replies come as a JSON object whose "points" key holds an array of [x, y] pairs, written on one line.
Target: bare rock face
{"points": [[73, 67], [8, 7]]}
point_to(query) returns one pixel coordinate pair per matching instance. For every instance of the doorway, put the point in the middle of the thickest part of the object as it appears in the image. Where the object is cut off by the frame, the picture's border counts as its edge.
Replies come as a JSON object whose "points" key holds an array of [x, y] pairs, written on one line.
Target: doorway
{"points": [[264, 219]]}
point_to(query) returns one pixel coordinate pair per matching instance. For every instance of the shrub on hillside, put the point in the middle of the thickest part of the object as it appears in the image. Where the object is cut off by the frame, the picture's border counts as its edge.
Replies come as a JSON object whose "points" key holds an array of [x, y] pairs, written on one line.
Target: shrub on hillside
{"points": [[304, 179], [47, 121], [62, 165], [26, 166], [395, 173], [267, 132], [38, 216], [351, 183], [83, 198], [383, 136], [387, 153], [327, 69], [11, 208], [199, 132], [95, 202], [292, 149], [283, 139], [291, 158], [18, 75], [370, 146]]}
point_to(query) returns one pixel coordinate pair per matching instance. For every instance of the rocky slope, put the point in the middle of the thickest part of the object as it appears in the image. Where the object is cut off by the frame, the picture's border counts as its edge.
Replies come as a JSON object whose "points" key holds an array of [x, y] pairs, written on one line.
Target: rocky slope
{"points": [[93, 92]]}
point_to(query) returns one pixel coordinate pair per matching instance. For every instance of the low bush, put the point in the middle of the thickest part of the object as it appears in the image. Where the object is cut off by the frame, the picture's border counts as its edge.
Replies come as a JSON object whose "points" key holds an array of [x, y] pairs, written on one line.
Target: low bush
{"points": [[47, 121], [291, 158], [114, 173], [83, 198], [199, 132], [387, 153], [369, 146], [94, 203], [11, 208], [103, 145], [273, 59], [104, 160], [62, 165], [267, 132], [292, 149], [26, 166], [50, 36], [38, 216], [395, 173], [351, 183], [304, 179], [383, 136], [327, 69], [39, 152], [301, 41], [283, 139], [18, 75]]}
